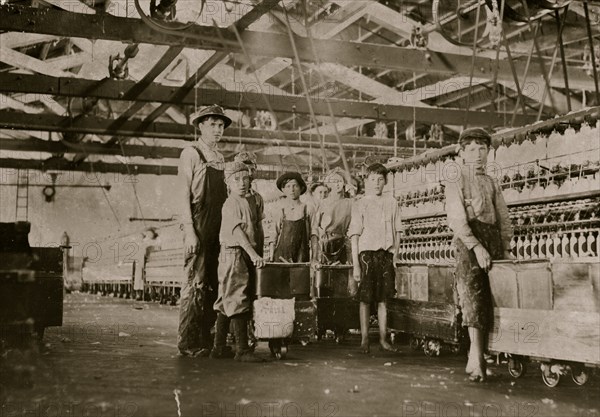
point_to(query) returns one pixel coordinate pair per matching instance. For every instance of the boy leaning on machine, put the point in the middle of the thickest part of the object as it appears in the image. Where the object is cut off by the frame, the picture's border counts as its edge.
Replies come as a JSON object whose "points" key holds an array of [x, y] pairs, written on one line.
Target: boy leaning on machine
{"points": [[478, 217]]}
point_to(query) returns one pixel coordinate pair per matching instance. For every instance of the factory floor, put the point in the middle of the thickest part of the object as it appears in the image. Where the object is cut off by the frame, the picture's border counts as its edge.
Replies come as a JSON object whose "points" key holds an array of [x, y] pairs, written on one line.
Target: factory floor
{"points": [[116, 357]]}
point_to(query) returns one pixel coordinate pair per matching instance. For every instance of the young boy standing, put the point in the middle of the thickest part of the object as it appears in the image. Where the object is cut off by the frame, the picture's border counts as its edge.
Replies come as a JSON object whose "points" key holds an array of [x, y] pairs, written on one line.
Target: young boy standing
{"points": [[478, 216], [374, 230], [238, 261]]}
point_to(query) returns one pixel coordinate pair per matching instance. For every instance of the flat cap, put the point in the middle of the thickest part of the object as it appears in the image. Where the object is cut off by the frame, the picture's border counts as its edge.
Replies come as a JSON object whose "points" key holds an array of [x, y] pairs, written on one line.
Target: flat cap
{"points": [[232, 168], [475, 133]]}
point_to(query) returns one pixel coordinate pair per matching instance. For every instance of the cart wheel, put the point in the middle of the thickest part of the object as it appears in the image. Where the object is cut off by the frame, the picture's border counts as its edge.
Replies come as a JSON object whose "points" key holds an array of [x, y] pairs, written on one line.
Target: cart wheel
{"points": [[579, 375], [432, 347], [516, 367], [275, 348], [415, 343], [550, 378], [282, 353], [340, 336]]}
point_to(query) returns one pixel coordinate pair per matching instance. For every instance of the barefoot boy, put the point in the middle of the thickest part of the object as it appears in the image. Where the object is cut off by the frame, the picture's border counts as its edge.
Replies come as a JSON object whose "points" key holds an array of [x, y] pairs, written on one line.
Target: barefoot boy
{"points": [[374, 229]]}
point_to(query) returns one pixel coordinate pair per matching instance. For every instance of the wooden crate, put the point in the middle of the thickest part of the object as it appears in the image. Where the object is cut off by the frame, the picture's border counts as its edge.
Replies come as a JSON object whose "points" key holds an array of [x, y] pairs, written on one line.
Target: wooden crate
{"points": [[547, 309], [425, 304]]}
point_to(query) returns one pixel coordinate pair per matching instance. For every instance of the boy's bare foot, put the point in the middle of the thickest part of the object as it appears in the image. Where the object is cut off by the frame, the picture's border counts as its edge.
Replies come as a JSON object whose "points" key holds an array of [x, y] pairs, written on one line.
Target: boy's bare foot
{"points": [[385, 346], [364, 347]]}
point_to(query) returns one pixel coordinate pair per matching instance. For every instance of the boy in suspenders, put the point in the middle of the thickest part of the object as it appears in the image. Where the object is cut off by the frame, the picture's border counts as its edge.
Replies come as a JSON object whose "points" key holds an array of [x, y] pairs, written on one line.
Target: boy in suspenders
{"points": [[203, 194], [478, 217]]}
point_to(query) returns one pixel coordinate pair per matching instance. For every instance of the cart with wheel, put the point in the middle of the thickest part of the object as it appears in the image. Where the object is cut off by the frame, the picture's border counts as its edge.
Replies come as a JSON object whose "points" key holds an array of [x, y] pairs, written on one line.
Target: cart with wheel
{"points": [[337, 310], [547, 312], [425, 308], [283, 310]]}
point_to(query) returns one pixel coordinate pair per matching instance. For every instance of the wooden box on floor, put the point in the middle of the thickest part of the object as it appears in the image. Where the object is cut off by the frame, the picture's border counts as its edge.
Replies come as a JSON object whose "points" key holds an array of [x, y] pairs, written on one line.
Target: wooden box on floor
{"points": [[424, 307], [547, 310]]}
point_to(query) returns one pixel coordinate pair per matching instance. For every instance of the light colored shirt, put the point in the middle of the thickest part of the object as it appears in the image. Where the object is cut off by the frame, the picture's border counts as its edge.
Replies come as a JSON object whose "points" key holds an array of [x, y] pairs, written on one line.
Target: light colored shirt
{"points": [[191, 164], [488, 207], [236, 213], [376, 220], [332, 217], [299, 211]]}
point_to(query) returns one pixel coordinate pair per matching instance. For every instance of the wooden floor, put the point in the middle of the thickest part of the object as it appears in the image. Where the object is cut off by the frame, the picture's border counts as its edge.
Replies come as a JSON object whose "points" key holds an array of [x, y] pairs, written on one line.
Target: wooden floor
{"points": [[116, 357]]}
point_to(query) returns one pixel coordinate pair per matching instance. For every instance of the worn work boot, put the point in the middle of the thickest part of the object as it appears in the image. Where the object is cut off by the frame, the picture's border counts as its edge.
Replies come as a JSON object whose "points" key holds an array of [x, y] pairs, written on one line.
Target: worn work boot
{"points": [[243, 352], [220, 349]]}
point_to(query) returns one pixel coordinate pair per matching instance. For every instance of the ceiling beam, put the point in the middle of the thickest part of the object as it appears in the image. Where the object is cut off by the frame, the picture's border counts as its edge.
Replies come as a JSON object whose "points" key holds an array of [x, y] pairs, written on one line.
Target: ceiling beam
{"points": [[240, 25], [61, 23], [115, 90], [59, 164], [99, 126]]}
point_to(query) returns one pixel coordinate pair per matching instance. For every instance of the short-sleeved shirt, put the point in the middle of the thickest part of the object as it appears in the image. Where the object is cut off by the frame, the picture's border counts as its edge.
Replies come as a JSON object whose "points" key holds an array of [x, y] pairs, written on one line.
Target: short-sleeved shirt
{"points": [[487, 202], [236, 212], [375, 220], [332, 217]]}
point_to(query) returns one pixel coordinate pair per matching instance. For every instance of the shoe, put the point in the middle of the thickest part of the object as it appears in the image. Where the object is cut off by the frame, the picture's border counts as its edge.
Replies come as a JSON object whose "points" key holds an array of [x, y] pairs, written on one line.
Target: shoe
{"points": [[224, 352], [189, 352], [202, 353], [243, 352]]}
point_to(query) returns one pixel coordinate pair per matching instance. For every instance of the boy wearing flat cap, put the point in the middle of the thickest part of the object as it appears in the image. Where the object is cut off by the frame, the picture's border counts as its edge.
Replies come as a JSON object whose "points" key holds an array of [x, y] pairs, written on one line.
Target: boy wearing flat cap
{"points": [[292, 221], [203, 194], [478, 216], [238, 261]]}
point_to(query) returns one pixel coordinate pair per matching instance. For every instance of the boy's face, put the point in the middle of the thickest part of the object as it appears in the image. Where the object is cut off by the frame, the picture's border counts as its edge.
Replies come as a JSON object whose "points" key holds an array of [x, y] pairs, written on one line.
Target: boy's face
{"points": [[292, 189], [335, 183], [475, 154], [375, 183], [211, 130], [321, 192], [237, 183]]}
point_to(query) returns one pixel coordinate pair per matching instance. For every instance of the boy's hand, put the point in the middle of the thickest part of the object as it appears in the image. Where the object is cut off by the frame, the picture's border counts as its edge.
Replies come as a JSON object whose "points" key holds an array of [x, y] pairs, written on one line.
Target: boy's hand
{"points": [[508, 255], [258, 261], [483, 257], [356, 272], [315, 265], [191, 242], [352, 287]]}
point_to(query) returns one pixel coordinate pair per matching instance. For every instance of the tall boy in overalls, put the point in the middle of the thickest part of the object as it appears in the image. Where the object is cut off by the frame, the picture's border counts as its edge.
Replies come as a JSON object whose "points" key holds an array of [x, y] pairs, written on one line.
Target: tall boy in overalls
{"points": [[478, 216], [204, 192]]}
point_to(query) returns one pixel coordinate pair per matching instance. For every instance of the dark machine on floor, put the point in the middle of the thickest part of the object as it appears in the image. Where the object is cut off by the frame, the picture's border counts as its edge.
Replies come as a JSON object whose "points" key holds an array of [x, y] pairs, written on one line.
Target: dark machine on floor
{"points": [[31, 298]]}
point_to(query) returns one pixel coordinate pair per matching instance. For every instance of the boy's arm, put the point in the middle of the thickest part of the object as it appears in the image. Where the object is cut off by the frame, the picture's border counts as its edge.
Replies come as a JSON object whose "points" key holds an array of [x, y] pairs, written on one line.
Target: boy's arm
{"points": [[457, 216], [243, 241], [503, 219], [398, 230], [354, 232], [185, 172], [458, 223]]}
